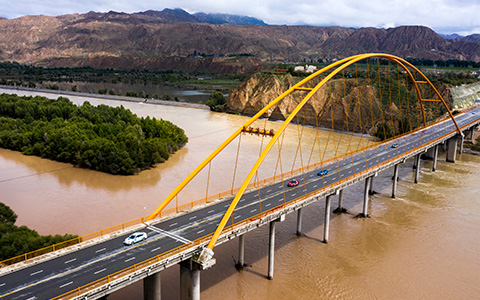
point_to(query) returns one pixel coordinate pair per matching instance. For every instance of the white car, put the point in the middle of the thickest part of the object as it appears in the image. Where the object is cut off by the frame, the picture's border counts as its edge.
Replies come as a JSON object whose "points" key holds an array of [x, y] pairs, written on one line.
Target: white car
{"points": [[135, 238]]}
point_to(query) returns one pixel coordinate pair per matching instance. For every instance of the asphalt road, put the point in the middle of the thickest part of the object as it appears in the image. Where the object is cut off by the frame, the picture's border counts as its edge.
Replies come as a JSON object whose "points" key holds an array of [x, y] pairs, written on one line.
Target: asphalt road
{"points": [[65, 273]]}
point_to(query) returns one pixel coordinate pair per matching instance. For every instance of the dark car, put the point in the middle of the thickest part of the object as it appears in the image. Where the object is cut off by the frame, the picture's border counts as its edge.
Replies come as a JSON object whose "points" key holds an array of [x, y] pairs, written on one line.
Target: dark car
{"points": [[322, 172], [395, 145], [293, 182]]}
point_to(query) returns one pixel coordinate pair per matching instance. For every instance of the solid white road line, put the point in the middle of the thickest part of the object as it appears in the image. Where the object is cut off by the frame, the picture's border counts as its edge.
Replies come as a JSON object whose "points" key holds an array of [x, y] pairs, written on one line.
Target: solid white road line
{"points": [[169, 234]]}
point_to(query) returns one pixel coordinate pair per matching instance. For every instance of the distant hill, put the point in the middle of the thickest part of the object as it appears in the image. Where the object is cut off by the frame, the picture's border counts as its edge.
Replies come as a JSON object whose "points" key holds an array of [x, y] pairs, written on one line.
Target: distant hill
{"points": [[450, 36], [474, 38], [174, 39]]}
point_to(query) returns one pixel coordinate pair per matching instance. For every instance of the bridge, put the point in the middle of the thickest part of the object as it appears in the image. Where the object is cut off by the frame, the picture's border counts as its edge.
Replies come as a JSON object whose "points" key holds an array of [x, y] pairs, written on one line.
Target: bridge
{"points": [[352, 119]]}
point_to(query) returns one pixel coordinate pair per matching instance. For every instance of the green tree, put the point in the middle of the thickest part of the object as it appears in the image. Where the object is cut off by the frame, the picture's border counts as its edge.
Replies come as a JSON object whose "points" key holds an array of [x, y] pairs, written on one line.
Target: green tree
{"points": [[216, 101], [7, 215], [383, 131]]}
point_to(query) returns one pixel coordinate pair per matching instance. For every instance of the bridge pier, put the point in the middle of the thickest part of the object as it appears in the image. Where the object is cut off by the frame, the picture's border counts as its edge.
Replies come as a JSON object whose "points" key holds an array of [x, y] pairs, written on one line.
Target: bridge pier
{"points": [[462, 139], [189, 280], [435, 157], [299, 221], [452, 148], [326, 227], [395, 179], [340, 209], [271, 246], [368, 180], [470, 133], [370, 190], [417, 169], [152, 287], [241, 252]]}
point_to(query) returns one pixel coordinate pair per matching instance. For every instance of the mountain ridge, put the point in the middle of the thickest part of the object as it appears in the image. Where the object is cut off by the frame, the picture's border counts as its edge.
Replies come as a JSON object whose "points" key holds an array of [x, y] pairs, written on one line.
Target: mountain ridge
{"points": [[174, 39]]}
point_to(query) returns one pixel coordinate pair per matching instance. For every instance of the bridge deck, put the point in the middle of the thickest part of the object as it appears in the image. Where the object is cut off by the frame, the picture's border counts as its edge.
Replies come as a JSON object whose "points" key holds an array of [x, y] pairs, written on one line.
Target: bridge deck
{"points": [[59, 275]]}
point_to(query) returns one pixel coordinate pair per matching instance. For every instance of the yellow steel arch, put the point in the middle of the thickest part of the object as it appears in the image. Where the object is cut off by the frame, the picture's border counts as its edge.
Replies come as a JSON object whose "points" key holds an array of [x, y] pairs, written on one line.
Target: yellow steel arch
{"points": [[311, 91]]}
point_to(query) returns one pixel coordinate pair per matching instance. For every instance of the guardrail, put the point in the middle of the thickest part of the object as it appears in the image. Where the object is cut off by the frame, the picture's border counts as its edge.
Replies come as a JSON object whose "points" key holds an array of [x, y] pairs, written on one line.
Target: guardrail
{"points": [[192, 204]]}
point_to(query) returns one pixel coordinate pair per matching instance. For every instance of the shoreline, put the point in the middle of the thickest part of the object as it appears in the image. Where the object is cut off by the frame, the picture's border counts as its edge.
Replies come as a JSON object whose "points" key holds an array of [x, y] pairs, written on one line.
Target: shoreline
{"points": [[108, 97]]}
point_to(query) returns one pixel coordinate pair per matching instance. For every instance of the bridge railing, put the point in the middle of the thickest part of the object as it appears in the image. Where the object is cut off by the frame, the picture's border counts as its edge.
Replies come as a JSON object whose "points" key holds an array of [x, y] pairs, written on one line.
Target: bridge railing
{"points": [[203, 240], [147, 263], [179, 208], [75, 241]]}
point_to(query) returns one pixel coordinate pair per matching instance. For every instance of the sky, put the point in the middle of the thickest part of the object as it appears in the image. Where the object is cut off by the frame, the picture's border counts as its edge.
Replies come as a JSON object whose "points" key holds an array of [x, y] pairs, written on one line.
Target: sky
{"points": [[443, 16]]}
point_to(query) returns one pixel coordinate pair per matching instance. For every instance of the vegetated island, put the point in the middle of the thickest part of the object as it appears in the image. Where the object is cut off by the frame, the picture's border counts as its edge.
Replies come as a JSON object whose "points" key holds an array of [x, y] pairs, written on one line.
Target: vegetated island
{"points": [[103, 138], [17, 240]]}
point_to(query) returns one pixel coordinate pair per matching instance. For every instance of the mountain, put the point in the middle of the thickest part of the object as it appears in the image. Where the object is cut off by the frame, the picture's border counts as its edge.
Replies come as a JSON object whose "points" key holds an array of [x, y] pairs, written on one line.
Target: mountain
{"points": [[473, 38], [452, 36], [173, 39]]}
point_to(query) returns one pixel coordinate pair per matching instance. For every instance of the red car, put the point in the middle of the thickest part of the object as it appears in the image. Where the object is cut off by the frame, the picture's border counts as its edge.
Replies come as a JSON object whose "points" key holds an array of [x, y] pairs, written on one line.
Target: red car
{"points": [[293, 182]]}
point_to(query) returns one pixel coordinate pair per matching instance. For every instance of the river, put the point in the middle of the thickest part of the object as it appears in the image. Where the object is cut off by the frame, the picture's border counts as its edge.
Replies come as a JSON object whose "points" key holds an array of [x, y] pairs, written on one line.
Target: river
{"points": [[422, 245]]}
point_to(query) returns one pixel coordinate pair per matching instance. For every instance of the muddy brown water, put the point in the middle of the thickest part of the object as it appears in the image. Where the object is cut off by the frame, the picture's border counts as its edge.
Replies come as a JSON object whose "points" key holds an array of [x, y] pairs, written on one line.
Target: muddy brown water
{"points": [[422, 245]]}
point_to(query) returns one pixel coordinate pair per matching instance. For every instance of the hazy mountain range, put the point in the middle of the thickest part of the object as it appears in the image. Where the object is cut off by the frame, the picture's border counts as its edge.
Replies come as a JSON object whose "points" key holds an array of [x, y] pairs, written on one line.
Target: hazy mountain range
{"points": [[176, 40]]}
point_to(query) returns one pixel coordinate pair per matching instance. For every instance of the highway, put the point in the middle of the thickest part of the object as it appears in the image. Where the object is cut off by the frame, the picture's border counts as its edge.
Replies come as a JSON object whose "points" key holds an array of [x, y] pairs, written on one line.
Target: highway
{"points": [[65, 273]]}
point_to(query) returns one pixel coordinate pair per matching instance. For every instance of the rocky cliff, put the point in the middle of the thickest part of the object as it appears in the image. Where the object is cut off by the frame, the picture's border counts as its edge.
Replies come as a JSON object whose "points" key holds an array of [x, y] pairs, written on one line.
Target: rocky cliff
{"points": [[337, 102]]}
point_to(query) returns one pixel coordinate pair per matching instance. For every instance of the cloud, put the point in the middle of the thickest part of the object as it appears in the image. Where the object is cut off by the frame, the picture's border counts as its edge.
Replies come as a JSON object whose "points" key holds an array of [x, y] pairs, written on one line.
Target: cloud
{"points": [[457, 15]]}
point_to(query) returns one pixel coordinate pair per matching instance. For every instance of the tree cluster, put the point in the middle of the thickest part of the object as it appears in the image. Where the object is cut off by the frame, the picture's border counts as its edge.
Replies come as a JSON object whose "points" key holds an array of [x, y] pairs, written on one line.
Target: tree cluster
{"points": [[17, 240], [103, 138], [216, 102]]}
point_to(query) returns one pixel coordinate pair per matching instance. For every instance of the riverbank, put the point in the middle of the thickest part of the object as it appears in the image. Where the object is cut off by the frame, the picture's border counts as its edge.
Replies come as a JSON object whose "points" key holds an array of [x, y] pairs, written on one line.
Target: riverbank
{"points": [[108, 97]]}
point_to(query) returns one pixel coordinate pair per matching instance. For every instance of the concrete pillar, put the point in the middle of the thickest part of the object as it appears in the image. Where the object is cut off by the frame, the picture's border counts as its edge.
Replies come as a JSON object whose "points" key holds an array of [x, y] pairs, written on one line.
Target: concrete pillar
{"points": [[299, 221], [415, 162], [371, 191], [430, 153], [417, 169], [271, 245], [462, 139], [241, 252], [271, 249], [365, 197], [326, 227], [452, 148], [435, 157], [152, 287], [340, 209], [395, 179], [470, 133], [189, 281]]}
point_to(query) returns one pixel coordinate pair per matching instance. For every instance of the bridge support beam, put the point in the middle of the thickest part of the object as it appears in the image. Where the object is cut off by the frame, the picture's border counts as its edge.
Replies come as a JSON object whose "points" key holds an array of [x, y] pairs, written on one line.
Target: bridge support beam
{"points": [[370, 190], [368, 180], [470, 133], [452, 148], [189, 280], [152, 287], [462, 139], [417, 169], [271, 246], [299, 221], [435, 157], [326, 227], [340, 209], [395, 179], [241, 252]]}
